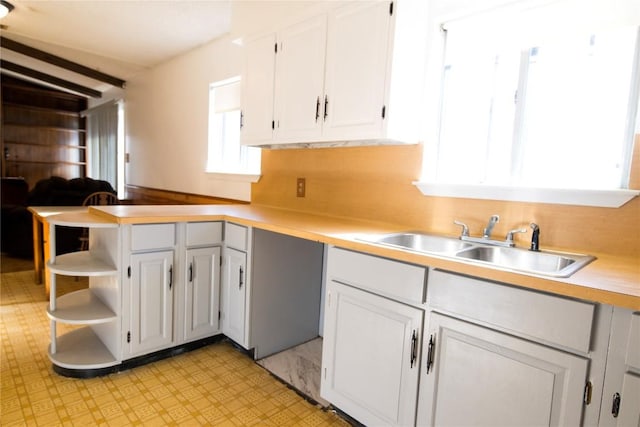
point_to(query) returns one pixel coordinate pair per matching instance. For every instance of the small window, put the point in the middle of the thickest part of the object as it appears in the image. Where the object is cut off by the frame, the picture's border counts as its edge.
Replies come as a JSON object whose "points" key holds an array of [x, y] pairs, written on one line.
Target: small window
{"points": [[225, 154], [526, 104]]}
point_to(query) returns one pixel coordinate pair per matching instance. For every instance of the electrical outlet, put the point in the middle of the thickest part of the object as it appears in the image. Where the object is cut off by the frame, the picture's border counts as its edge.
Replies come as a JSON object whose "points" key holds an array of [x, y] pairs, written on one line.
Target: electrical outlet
{"points": [[300, 187]]}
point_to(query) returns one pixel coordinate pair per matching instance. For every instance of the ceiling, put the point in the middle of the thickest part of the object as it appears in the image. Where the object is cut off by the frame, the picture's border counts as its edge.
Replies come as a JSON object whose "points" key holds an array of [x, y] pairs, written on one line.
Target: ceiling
{"points": [[116, 37]]}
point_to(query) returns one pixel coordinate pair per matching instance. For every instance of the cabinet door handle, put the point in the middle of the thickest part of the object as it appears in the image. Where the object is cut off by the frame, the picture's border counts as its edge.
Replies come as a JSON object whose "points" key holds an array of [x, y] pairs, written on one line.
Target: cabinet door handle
{"points": [[170, 277], [241, 119], [317, 109], [430, 350], [241, 281], [326, 107], [414, 347], [615, 408], [191, 272]]}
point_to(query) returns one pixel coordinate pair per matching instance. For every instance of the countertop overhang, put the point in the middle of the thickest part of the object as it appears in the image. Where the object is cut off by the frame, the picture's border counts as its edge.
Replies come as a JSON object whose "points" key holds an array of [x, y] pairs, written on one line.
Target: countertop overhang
{"points": [[609, 279]]}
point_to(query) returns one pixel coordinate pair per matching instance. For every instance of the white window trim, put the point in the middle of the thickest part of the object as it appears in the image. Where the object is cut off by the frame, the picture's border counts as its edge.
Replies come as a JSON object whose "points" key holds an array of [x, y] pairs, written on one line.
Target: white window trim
{"points": [[237, 177], [560, 196]]}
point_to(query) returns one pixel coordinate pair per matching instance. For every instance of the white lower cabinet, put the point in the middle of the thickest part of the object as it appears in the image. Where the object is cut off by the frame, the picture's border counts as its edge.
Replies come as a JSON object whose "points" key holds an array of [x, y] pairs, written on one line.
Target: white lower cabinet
{"points": [[494, 354], [171, 286], [621, 397], [628, 404], [372, 334], [370, 356], [475, 376], [152, 286], [202, 292], [234, 295]]}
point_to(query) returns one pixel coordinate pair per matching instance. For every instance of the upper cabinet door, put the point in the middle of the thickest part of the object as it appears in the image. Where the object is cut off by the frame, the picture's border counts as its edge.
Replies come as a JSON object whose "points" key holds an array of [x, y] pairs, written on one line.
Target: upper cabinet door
{"points": [[357, 45], [299, 97], [258, 80]]}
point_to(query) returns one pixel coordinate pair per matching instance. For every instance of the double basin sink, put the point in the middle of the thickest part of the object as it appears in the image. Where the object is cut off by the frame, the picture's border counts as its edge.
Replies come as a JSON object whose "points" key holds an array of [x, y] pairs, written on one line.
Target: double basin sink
{"points": [[546, 263]]}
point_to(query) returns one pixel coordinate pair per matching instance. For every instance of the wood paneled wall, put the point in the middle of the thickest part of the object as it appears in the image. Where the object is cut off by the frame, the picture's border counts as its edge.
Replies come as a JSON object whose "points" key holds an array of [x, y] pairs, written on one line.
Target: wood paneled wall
{"points": [[152, 196], [375, 183], [43, 133]]}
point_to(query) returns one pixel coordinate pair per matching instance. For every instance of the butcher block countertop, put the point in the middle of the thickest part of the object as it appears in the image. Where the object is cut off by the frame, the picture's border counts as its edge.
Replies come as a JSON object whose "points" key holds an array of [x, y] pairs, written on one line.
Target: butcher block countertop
{"points": [[609, 279]]}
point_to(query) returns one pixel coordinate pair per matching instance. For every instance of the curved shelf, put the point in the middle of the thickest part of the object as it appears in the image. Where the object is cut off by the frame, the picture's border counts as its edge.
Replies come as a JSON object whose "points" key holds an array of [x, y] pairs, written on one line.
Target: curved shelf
{"points": [[81, 263], [81, 349], [81, 307]]}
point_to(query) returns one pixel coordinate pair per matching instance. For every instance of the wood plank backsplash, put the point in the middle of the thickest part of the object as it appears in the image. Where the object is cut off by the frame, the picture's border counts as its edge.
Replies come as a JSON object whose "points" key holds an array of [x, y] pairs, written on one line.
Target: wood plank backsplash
{"points": [[375, 183]]}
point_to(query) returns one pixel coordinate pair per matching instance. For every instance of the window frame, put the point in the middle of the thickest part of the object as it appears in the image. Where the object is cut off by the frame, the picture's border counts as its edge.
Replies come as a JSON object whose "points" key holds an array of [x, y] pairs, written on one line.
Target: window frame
{"points": [[429, 186], [241, 171]]}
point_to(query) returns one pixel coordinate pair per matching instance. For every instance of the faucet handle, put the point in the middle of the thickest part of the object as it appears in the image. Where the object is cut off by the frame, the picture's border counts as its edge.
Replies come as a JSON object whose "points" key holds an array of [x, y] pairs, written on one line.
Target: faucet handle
{"points": [[465, 229], [509, 238]]}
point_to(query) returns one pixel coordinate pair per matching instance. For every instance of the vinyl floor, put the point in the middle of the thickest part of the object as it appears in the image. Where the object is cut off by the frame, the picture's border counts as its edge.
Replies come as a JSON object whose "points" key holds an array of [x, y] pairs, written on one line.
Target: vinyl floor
{"points": [[216, 385]]}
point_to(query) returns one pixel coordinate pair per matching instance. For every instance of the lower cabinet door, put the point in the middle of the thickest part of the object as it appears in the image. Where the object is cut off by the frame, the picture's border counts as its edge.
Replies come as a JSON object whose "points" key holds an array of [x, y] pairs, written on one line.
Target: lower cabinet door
{"points": [[152, 279], [629, 402], [370, 356], [202, 293], [234, 291], [474, 376]]}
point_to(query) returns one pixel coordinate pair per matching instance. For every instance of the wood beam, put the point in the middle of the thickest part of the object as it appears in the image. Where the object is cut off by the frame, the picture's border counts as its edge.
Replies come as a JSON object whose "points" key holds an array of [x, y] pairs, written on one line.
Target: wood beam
{"points": [[10, 66], [60, 62]]}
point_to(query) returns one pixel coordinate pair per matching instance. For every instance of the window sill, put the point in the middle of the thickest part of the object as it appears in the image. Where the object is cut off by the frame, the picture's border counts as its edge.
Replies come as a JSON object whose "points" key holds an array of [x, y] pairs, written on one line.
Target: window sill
{"points": [[599, 198], [237, 177]]}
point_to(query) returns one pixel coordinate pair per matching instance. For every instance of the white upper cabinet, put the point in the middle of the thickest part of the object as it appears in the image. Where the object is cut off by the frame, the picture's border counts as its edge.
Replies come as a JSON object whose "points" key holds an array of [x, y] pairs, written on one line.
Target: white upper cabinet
{"points": [[352, 74], [300, 81], [257, 90], [357, 41]]}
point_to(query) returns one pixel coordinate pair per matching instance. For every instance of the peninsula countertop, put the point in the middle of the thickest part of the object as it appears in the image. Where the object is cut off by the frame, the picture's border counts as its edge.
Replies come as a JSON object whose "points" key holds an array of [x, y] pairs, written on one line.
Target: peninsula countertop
{"points": [[609, 279]]}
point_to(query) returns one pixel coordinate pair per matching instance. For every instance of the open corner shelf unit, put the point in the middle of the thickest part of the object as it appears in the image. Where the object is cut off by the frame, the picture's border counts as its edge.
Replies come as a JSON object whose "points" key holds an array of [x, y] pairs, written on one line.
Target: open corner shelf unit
{"points": [[94, 343]]}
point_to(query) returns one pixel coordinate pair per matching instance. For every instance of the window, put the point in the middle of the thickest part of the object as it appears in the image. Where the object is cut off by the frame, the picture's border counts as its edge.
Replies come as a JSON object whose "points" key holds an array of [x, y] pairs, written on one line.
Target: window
{"points": [[225, 154], [105, 143], [525, 105]]}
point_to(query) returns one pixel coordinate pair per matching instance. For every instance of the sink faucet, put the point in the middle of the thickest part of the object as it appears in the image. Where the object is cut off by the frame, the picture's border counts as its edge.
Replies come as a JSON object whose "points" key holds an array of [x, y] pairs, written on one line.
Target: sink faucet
{"points": [[492, 221], [486, 234]]}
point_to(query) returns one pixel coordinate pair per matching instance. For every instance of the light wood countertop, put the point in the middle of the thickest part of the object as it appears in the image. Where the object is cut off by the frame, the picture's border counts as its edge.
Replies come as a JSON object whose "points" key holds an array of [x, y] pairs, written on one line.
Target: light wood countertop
{"points": [[609, 279]]}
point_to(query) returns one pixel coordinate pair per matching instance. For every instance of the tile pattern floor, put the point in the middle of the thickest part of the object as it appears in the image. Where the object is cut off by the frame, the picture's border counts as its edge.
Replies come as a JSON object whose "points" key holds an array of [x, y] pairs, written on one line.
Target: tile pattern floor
{"points": [[215, 385]]}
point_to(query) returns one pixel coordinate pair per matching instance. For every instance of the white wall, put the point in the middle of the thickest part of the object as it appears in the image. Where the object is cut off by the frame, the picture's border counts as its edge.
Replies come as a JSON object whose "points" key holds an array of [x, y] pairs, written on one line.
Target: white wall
{"points": [[167, 107], [167, 118]]}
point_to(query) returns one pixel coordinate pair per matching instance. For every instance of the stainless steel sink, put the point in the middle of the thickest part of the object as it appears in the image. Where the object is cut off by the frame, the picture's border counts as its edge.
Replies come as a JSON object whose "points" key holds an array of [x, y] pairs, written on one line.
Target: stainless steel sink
{"points": [[423, 243], [544, 262]]}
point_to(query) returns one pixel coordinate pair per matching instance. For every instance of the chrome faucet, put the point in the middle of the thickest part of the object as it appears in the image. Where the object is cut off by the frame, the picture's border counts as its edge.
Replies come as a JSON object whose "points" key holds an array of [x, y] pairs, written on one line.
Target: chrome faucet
{"points": [[486, 233]]}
